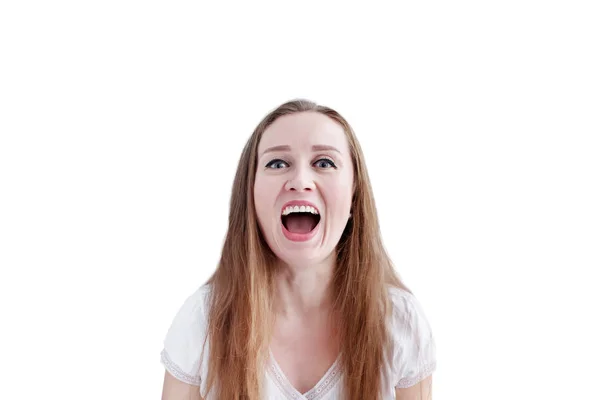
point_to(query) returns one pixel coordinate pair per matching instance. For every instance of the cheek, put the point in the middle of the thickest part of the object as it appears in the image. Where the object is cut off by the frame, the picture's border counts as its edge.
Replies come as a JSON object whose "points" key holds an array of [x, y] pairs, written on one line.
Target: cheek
{"points": [[339, 199], [264, 197], [339, 192]]}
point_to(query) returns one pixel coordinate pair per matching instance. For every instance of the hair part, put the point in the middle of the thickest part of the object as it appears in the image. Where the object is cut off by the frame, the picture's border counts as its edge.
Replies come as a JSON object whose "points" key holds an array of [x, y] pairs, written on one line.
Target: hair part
{"points": [[240, 320]]}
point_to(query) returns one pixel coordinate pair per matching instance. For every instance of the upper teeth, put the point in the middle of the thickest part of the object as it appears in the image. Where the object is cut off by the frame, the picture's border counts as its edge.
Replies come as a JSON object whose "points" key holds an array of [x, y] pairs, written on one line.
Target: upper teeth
{"points": [[295, 209]]}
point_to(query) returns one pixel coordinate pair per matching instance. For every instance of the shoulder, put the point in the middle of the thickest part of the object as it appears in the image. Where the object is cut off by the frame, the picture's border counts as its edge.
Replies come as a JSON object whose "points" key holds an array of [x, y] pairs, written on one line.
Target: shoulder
{"points": [[406, 308], [414, 349], [184, 341], [194, 307]]}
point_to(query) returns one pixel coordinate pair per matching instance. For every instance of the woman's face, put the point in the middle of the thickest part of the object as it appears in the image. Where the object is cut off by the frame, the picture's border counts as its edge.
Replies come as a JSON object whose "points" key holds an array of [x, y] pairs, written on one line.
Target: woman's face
{"points": [[303, 187]]}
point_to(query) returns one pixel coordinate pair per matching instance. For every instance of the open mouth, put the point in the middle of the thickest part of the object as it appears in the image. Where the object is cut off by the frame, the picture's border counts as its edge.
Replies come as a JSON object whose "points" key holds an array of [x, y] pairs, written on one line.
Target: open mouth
{"points": [[300, 222]]}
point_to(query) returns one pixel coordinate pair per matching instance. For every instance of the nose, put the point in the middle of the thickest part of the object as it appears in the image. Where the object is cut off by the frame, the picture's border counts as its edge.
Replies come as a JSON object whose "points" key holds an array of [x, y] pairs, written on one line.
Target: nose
{"points": [[300, 180]]}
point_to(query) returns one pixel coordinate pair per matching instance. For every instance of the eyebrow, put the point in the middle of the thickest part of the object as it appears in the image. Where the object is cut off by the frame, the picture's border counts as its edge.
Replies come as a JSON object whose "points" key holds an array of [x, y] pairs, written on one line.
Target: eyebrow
{"points": [[316, 147]]}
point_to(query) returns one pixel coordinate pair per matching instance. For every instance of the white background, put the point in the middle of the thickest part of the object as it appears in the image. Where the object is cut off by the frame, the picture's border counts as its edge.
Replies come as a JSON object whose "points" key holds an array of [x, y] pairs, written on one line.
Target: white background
{"points": [[121, 124]]}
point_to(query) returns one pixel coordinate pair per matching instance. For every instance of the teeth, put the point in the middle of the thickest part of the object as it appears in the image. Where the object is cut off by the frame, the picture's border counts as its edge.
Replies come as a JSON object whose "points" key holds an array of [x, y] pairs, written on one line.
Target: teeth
{"points": [[299, 209]]}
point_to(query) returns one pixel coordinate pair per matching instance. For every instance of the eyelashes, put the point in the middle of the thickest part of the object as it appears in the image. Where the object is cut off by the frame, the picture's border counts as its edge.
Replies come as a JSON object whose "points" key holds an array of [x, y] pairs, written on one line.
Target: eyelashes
{"points": [[275, 162], [321, 163], [328, 162]]}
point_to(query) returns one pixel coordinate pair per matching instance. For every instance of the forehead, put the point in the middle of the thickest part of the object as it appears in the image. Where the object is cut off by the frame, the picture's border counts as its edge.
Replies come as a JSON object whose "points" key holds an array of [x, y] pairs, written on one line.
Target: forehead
{"points": [[302, 130]]}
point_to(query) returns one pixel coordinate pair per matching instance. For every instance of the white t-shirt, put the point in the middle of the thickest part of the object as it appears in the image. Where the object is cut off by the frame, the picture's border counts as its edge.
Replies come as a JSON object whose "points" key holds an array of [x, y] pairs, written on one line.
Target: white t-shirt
{"points": [[411, 360]]}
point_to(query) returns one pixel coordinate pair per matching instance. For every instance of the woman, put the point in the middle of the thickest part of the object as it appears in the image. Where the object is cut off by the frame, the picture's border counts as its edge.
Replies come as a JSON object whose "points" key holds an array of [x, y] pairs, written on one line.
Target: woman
{"points": [[305, 303]]}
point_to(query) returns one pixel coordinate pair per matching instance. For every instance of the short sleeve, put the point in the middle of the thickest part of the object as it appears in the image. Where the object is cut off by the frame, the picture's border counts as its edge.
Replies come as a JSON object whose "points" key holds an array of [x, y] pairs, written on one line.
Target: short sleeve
{"points": [[182, 351], [414, 357]]}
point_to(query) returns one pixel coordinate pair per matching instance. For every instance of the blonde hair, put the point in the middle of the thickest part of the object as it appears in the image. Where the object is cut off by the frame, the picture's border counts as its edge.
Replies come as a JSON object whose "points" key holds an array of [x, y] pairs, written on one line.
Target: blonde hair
{"points": [[240, 319]]}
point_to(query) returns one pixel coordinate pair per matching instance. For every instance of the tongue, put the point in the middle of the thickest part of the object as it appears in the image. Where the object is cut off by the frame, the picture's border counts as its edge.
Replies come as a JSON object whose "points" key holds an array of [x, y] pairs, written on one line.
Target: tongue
{"points": [[300, 223]]}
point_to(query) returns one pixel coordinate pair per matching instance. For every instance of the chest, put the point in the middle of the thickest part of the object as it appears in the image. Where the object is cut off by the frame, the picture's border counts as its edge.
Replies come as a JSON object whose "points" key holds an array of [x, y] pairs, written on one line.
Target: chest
{"points": [[305, 352]]}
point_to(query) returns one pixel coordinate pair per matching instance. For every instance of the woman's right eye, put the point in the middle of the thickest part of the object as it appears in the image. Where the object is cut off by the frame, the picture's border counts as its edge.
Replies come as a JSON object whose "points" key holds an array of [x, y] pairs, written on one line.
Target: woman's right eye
{"points": [[277, 164]]}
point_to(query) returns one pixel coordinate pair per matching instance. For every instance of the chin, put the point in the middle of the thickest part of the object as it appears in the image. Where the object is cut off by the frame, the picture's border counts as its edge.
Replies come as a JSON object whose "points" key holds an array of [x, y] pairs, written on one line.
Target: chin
{"points": [[303, 257]]}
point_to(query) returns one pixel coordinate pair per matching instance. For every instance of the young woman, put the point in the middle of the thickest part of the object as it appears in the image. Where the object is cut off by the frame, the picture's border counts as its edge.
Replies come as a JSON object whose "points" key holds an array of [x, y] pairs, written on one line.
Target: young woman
{"points": [[305, 303]]}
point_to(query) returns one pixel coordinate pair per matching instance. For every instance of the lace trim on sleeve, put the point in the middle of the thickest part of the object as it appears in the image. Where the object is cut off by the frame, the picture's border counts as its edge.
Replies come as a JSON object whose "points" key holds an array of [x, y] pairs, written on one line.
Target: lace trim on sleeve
{"points": [[408, 382], [176, 371]]}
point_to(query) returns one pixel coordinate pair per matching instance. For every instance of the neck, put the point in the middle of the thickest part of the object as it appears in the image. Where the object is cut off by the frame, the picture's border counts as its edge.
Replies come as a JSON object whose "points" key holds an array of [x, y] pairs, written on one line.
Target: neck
{"points": [[304, 290]]}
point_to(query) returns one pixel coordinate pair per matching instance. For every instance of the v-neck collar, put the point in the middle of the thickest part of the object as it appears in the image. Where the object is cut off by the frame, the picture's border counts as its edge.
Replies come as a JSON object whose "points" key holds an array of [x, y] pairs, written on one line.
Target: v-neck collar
{"points": [[317, 392]]}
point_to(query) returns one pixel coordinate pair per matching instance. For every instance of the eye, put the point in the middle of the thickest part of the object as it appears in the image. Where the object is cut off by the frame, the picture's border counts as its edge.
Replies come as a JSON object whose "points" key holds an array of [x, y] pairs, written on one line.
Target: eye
{"points": [[276, 164], [325, 163]]}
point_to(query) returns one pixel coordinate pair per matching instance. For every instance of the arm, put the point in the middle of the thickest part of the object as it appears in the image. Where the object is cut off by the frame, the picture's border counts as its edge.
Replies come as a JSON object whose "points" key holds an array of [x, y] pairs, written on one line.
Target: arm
{"points": [[420, 391], [174, 389]]}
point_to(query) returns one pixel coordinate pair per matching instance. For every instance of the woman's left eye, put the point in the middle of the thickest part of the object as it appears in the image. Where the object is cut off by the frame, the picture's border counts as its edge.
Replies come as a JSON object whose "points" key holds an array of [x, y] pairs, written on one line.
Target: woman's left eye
{"points": [[325, 163]]}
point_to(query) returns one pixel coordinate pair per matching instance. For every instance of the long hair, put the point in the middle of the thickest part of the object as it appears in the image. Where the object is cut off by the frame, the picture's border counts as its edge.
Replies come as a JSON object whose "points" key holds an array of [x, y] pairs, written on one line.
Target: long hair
{"points": [[240, 320]]}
